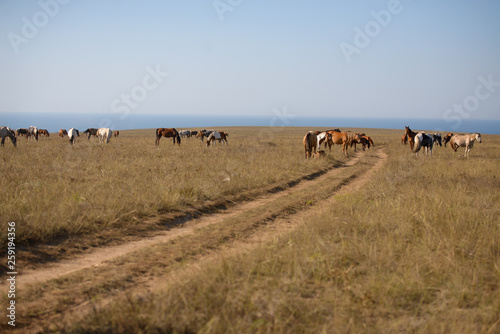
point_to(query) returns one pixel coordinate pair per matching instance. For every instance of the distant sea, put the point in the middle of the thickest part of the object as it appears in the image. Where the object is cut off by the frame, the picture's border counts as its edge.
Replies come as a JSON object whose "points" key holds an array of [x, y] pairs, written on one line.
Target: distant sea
{"points": [[53, 122]]}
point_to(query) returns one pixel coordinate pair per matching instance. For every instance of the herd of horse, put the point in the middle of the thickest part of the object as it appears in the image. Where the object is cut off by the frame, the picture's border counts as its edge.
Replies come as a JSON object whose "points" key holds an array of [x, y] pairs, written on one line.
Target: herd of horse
{"points": [[420, 139], [212, 136], [313, 139]]}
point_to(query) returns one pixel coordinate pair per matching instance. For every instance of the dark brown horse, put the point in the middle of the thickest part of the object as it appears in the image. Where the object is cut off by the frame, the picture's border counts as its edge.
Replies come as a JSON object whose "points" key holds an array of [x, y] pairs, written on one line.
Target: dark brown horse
{"points": [[168, 133], [117, 133]]}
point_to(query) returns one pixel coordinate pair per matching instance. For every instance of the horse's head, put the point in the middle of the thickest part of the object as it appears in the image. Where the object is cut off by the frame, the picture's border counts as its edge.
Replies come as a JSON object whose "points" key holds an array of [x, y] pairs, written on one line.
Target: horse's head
{"points": [[478, 136]]}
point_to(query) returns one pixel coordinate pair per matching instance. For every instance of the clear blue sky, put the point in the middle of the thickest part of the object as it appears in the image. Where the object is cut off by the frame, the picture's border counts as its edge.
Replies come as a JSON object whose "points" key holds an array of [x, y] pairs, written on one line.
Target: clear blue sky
{"points": [[249, 57]]}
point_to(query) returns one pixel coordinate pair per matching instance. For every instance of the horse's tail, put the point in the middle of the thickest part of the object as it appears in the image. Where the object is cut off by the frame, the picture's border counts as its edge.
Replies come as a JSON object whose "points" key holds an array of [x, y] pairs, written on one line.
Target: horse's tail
{"points": [[307, 143], [418, 143]]}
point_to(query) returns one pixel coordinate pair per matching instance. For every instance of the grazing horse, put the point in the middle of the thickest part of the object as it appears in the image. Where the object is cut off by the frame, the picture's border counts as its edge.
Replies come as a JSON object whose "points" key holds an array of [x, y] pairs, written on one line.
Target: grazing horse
{"points": [[33, 131], [185, 133], [72, 134], [213, 137], [411, 136], [447, 138], [193, 133], [319, 154], [63, 133], [466, 141], [5, 131], [104, 134], [366, 141], [116, 134], [341, 138], [404, 139], [90, 132], [23, 132], [44, 132], [437, 138], [310, 143], [423, 140], [167, 133], [204, 133]]}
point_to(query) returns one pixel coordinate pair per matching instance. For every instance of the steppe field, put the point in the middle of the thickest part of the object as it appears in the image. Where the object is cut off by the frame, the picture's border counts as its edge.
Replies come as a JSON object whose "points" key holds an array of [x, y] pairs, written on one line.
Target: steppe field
{"points": [[129, 237]]}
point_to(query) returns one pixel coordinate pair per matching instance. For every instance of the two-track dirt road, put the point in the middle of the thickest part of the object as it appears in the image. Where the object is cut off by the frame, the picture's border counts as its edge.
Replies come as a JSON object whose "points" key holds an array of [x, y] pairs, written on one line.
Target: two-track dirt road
{"points": [[261, 220]]}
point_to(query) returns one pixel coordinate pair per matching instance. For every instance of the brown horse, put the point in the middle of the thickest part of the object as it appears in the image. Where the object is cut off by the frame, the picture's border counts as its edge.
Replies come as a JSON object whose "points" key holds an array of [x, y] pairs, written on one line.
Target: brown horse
{"points": [[411, 136], [447, 138], [167, 133], [366, 141], [341, 138], [44, 132], [117, 133], [63, 133], [404, 139], [310, 143]]}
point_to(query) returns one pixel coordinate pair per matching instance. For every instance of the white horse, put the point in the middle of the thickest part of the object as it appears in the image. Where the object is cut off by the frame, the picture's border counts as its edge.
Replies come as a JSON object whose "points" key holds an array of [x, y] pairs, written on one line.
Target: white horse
{"points": [[466, 141], [185, 133], [33, 130], [104, 134], [423, 140], [323, 137], [5, 131], [72, 134]]}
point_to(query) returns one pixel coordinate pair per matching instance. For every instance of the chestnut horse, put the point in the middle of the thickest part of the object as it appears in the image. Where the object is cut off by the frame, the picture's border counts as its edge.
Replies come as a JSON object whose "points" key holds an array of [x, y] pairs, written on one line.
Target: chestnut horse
{"points": [[411, 136], [167, 133], [343, 138], [310, 143], [404, 139]]}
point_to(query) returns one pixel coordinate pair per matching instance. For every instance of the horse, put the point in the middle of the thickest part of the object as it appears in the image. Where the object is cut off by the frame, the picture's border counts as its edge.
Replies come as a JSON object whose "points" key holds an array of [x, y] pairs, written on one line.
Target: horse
{"points": [[310, 142], [5, 131], [204, 133], [90, 132], [23, 132], [223, 137], [185, 133], [72, 134], [322, 137], [193, 133], [404, 139], [411, 136], [116, 134], [62, 133], [340, 138], [213, 137], [366, 141], [167, 133], [319, 154], [466, 141], [104, 134], [44, 132], [423, 140], [437, 138], [447, 138], [33, 131]]}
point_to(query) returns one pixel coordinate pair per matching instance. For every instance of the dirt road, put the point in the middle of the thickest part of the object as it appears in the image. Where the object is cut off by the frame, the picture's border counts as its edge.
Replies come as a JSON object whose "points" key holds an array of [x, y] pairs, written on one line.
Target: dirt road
{"points": [[198, 240]]}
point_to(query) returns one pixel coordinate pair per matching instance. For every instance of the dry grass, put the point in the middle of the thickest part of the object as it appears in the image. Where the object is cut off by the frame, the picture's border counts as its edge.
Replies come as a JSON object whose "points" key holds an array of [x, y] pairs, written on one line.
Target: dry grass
{"points": [[57, 190], [417, 250]]}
